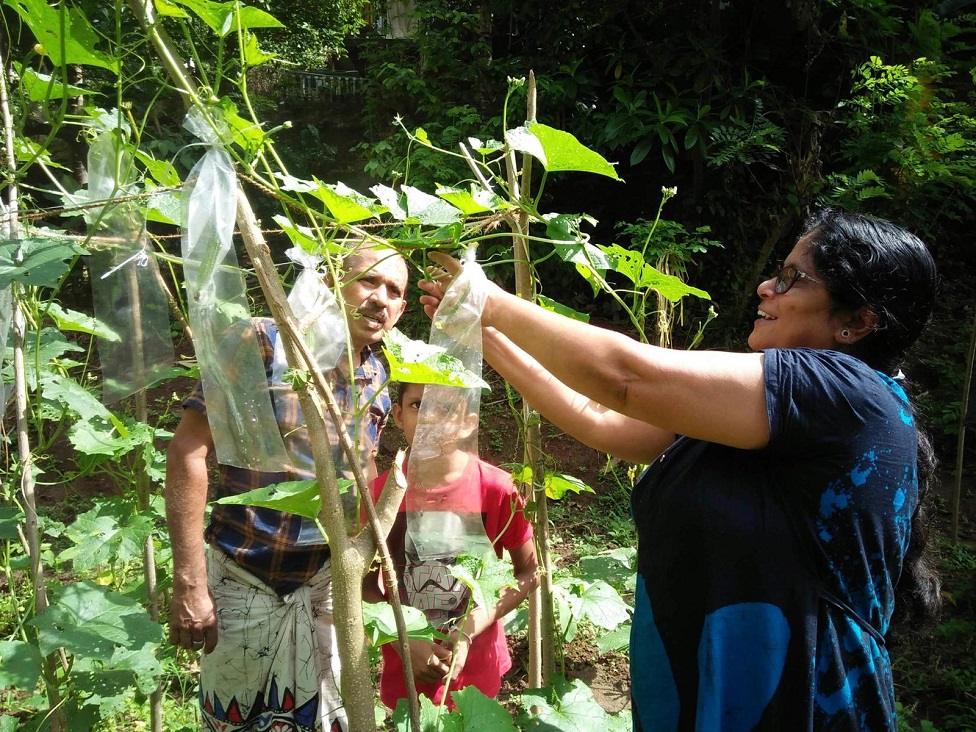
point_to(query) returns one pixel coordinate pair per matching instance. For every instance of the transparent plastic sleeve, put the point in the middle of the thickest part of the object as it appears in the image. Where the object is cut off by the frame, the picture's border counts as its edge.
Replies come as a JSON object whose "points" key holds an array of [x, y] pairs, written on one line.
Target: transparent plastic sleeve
{"points": [[235, 384], [443, 504], [126, 293]]}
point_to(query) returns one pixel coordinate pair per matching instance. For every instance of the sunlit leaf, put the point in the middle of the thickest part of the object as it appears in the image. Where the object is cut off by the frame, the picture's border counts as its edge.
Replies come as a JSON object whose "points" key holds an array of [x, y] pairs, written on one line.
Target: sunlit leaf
{"points": [[558, 150], [557, 307], [20, 665], [428, 209], [345, 204], [74, 396], [472, 201], [162, 171], [602, 605], [300, 497], [98, 437], [480, 712], [631, 265], [27, 151], [381, 623], [558, 484], [72, 320], [79, 41], [568, 707], [432, 718], [91, 621], [617, 639], [253, 54], [222, 19], [40, 87], [390, 198], [45, 260], [416, 362], [113, 531]]}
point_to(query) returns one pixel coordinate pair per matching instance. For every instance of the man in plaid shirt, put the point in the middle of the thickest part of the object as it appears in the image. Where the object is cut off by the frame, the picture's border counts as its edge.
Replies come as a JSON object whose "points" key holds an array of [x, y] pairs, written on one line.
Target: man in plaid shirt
{"points": [[253, 591]]}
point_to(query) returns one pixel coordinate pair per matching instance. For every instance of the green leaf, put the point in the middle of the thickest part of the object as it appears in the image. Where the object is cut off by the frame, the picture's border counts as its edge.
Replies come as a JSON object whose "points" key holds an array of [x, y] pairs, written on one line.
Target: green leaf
{"points": [[558, 150], [167, 9], [74, 397], [416, 362], [301, 236], [72, 320], [27, 151], [480, 712], [617, 639], [45, 260], [20, 665], [631, 265], [432, 718], [79, 39], [50, 345], [558, 484], [112, 532], [221, 17], [602, 605], [300, 497], [345, 204], [109, 684], [615, 566], [391, 200], [381, 623], [43, 87], [253, 54], [427, 209], [10, 518], [162, 171], [91, 621], [473, 201], [557, 307], [568, 707]]}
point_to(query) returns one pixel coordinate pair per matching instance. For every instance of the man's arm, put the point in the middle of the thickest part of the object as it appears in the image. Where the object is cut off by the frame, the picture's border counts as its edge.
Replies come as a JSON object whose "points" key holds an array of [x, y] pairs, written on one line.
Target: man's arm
{"points": [[193, 620]]}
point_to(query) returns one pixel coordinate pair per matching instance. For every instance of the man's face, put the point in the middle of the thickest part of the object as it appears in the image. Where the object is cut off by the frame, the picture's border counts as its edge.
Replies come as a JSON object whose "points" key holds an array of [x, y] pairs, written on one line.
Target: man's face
{"points": [[374, 287]]}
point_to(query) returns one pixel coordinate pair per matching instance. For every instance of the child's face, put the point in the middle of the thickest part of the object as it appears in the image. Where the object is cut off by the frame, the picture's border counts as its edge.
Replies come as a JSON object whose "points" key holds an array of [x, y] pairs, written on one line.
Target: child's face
{"points": [[447, 429], [407, 410]]}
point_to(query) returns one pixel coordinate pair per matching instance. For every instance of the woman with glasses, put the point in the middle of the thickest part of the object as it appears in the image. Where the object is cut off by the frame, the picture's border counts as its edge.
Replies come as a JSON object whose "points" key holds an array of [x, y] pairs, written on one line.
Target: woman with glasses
{"points": [[780, 508]]}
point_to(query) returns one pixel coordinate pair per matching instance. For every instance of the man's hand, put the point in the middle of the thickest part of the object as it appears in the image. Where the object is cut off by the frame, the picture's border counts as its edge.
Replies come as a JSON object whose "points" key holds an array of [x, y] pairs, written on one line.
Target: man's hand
{"points": [[193, 620], [430, 661]]}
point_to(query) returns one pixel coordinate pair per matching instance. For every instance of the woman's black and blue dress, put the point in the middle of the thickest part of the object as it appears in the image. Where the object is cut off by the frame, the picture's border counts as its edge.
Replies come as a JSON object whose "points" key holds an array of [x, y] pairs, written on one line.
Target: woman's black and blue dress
{"points": [[766, 577]]}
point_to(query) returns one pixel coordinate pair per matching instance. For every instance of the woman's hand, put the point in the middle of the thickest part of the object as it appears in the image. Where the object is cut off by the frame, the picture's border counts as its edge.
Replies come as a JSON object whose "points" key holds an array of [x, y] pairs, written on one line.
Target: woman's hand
{"points": [[440, 276]]}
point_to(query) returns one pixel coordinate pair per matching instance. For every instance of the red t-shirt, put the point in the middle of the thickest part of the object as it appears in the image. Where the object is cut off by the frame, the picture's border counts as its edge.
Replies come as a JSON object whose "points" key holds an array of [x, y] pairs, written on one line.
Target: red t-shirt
{"points": [[488, 658]]}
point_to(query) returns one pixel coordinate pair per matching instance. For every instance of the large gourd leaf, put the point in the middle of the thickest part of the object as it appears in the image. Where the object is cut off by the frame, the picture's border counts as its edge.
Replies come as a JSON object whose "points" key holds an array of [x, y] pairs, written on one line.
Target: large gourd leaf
{"points": [[558, 150], [381, 624], [567, 707], [45, 260], [41, 87], [91, 621], [108, 684], [432, 718], [10, 518], [631, 265], [346, 204], [67, 319], [300, 497], [111, 532], [221, 18], [79, 41], [20, 665], [416, 362], [481, 713]]}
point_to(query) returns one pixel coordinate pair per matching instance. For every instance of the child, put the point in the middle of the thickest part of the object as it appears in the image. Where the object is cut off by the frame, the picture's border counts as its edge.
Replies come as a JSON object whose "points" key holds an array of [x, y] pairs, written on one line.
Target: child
{"points": [[478, 647]]}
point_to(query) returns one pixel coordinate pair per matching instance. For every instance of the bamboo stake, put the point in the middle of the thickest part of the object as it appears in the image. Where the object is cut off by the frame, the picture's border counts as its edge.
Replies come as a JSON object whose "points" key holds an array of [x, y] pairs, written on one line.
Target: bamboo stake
{"points": [[348, 556], [541, 625], [27, 485]]}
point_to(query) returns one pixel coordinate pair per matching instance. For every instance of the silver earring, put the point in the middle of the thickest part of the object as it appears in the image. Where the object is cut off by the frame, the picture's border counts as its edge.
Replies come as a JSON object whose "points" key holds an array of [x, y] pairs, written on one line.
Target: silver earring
{"points": [[845, 333]]}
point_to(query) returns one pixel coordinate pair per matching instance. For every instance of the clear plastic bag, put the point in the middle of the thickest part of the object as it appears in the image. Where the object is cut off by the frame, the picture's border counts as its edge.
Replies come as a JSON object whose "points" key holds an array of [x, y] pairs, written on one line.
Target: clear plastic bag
{"points": [[126, 292], [6, 311], [443, 499], [235, 384]]}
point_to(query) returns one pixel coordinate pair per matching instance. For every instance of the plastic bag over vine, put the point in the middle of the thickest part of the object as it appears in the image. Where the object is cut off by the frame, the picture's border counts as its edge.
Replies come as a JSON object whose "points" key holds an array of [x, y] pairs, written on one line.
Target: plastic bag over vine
{"points": [[235, 386], [443, 499], [134, 344]]}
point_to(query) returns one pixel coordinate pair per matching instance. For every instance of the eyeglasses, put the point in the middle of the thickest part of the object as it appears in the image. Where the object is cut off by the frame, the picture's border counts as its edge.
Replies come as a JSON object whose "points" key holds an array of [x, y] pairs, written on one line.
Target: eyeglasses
{"points": [[786, 276]]}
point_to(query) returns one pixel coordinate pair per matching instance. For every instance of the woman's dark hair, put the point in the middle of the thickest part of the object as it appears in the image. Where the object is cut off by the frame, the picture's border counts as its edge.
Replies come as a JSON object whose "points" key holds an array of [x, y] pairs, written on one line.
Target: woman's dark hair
{"points": [[873, 263]]}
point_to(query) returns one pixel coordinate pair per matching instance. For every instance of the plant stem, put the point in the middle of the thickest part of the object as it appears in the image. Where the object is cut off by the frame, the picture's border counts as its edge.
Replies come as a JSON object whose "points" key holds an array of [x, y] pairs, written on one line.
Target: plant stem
{"points": [[961, 437]]}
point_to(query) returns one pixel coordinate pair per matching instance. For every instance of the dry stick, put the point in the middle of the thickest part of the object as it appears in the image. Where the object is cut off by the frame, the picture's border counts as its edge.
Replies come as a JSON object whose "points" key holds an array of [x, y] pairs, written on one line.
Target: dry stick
{"points": [[348, 555], [541, 621], [961, 438], [27, 484]]}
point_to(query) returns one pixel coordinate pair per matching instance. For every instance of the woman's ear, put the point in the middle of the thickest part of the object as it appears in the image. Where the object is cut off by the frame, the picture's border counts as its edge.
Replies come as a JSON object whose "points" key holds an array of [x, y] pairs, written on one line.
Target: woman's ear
{"points": [[860, 324]]}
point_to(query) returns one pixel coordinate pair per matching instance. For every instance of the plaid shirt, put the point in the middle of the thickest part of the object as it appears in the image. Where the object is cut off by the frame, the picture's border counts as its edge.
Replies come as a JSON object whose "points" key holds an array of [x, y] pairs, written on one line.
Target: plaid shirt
{"points": [[282, 549]]}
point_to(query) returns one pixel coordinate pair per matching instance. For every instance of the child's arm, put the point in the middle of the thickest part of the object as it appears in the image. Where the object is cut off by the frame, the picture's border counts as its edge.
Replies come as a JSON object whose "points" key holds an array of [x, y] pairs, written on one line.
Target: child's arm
{"points": [[480, 619]]}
